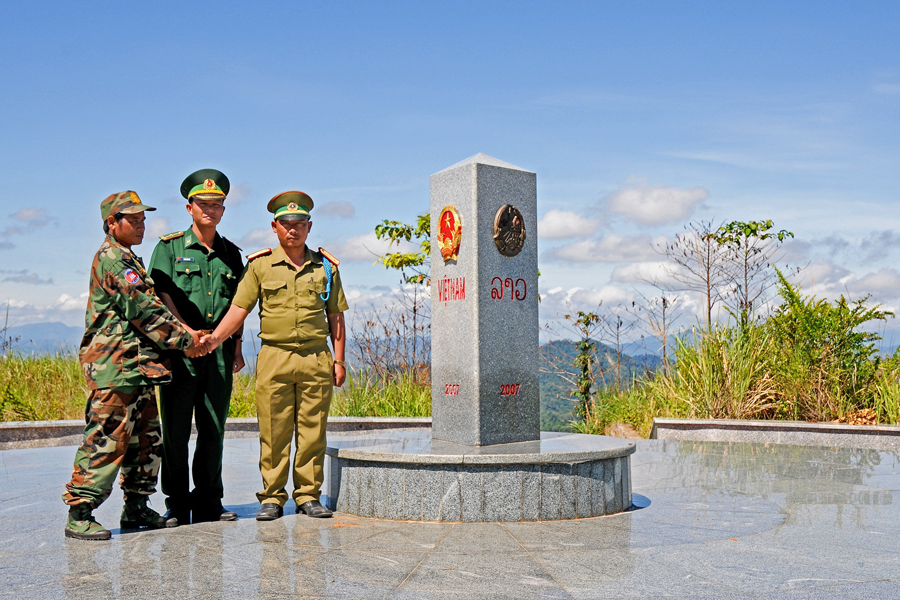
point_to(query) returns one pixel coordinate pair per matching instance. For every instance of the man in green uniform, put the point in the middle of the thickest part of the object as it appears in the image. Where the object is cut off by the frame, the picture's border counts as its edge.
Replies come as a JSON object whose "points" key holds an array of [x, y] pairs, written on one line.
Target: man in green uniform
{"points": [[127, 326], [196, 273], [301, 303]]}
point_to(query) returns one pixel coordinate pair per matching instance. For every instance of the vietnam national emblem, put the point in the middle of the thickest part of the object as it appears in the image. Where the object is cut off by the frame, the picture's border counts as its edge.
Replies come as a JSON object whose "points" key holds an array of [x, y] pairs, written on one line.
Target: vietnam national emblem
{"points": [[449, 233], [209, 184]]}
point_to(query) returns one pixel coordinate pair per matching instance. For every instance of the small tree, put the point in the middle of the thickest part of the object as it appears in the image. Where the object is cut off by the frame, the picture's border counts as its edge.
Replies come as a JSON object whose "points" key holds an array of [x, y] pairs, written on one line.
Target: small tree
{"points": [[415, 267], [752, 246], [586, 355], [700, 263], [655, 316]]}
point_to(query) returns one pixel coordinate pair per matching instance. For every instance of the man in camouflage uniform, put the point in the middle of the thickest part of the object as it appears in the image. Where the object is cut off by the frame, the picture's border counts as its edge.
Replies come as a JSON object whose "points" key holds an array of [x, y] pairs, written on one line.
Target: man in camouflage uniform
{"points": [[301, 304], [126, 328], [196, 272]]}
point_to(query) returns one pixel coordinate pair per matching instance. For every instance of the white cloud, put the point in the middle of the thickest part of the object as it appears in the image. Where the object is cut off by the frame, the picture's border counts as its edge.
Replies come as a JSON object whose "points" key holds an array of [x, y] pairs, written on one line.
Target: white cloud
{"points": [[256, 239], [30, 215], [655, 205], [656, 272], [238, 194], [882, 284], [365, 247], [559, 224], [156, 227], [563, 300], [65, 308], [612, 248], [344, 210], [888, 89], [24, 276]]}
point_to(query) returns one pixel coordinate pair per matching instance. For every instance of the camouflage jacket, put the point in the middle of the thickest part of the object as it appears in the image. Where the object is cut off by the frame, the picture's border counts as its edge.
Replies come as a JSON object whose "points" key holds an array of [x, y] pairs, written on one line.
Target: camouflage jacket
{"points": [[126, 324]]}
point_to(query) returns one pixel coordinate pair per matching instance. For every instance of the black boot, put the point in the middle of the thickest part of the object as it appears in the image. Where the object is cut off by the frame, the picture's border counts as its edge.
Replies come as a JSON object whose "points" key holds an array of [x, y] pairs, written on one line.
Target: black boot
{"points": [[136, 514]]}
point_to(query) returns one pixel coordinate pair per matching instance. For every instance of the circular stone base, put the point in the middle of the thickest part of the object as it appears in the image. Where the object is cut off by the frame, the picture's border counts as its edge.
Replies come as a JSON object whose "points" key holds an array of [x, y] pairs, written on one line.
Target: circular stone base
{"points": [[407, 475]]}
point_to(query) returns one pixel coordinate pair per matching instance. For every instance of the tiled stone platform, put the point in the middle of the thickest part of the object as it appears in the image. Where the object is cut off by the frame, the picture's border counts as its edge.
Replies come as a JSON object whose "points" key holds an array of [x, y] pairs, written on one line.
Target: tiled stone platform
{"points": [[717, 520], [407, 475]]}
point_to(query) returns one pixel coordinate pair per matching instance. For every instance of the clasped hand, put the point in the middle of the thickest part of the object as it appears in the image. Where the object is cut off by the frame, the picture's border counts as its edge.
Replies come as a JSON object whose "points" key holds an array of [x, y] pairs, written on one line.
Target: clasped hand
{"points": [[202, 345]]}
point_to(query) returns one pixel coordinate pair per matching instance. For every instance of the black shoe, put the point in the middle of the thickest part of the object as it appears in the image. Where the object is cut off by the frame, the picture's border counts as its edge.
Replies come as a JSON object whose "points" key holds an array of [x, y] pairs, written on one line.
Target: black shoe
{"points": [[269, 512], [177, 516], [314, 509], [215, 513]]}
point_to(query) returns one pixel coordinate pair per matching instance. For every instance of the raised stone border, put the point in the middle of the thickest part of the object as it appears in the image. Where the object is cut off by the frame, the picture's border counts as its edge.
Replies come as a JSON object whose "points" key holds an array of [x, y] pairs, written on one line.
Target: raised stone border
{"points": [[37, 434], [407, 476], [799, 433]]}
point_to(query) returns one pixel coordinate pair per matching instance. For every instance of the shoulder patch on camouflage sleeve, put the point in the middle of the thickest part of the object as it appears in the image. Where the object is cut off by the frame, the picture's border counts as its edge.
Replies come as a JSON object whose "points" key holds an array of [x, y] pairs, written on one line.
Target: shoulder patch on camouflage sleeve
{"points": [[259, 253], [171, 236], [328, 255]]}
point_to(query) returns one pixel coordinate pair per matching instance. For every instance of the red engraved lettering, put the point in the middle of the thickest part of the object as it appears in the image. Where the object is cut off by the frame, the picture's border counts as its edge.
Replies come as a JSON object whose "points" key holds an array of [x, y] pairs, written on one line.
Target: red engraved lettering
{"points": [[521, 293], [496, 289]]}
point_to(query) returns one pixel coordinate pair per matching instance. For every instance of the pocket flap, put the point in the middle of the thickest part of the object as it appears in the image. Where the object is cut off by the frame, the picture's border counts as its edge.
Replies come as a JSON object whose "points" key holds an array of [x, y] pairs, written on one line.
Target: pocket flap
{"points": [[271, 286]]}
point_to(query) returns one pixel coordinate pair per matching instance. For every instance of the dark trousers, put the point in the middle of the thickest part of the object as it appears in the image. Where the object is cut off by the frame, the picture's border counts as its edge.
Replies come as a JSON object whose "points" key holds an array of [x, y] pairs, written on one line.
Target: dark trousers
{"points": [[206, 397]]}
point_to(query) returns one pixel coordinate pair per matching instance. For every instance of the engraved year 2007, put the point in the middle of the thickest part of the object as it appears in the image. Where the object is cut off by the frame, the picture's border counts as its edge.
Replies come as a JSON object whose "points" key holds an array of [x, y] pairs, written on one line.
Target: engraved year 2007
{"points": [[510, 389], [451, 389]]}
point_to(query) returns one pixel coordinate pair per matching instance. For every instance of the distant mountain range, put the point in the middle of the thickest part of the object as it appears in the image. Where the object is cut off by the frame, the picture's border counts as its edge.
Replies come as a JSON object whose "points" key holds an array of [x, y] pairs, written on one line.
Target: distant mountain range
{"points": [[44, 338], [557, 371]]}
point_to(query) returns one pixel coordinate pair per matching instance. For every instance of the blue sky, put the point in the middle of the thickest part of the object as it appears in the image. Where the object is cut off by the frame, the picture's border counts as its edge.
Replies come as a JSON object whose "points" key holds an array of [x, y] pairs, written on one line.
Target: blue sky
{"points": [[637, 118]]}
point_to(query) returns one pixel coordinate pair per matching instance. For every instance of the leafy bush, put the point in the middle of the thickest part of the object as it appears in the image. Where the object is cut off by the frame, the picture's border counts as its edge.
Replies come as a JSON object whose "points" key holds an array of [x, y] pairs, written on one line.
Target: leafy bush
{"points": [[825, 366]]}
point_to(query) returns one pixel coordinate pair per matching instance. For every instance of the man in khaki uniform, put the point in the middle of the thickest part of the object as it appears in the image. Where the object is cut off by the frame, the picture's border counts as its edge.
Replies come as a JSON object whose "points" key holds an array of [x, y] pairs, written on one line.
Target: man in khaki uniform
{"points": [[301, 303]]}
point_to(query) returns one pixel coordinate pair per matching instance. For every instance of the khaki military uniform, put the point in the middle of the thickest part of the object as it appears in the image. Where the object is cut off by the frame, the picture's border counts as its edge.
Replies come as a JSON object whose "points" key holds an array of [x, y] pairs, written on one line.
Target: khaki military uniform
{"points": [[127, 328], [201, 283], [294, 368]]}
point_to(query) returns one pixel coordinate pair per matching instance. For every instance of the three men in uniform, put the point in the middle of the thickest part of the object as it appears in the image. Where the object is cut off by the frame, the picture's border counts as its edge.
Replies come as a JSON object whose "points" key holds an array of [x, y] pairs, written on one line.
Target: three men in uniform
{"points": [[197, 273]]}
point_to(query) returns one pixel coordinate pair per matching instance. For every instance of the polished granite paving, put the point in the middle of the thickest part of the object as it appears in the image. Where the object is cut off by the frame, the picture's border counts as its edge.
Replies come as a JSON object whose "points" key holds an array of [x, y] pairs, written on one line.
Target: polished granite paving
{"points": [[713, 520]]}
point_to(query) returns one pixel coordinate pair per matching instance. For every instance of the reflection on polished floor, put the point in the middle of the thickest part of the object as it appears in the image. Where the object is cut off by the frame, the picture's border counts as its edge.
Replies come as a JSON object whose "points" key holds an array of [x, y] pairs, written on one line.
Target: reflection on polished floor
{"points": [[715, 520]]}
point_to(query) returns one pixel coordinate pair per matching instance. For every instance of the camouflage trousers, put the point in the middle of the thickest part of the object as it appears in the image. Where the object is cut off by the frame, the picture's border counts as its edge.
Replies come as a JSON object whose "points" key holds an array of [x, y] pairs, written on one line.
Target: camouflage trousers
{"points": [[121, 433]]}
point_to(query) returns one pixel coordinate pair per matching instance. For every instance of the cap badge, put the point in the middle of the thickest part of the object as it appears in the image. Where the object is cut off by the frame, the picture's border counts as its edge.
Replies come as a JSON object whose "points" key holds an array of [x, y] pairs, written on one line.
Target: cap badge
{"points": [[292, 206], [209, 184]]}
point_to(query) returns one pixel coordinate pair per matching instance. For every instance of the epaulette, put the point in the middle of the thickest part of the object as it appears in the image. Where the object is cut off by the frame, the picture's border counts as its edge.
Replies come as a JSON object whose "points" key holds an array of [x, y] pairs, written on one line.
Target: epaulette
{"points": [[227, 241], [258, 253], [171, 236], [330, 258]]}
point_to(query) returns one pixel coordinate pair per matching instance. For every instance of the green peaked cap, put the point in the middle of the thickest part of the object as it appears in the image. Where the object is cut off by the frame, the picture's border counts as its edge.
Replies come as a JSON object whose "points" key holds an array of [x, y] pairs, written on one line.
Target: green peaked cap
{"points": [[198, 182], [291, 204]]}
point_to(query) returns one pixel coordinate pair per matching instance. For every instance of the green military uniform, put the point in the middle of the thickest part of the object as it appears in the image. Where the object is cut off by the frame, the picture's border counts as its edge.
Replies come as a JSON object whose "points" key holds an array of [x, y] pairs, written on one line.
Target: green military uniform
{"points": [[127, 327], [294, 368], [201, 284]]}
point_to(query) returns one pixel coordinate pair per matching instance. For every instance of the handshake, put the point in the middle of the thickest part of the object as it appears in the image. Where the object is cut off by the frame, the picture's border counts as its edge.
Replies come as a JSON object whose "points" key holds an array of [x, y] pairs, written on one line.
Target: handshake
{"points": [[204, 343]]}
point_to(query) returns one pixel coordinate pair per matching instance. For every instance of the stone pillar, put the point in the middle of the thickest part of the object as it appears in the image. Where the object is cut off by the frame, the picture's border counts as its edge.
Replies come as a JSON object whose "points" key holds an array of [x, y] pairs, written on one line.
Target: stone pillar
{"points": [[484, 303]]}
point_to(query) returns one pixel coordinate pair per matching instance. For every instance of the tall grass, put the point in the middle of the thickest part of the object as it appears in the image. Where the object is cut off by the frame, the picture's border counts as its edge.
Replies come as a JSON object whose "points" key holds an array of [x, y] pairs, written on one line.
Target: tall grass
{"points": [[400, 395], [39, 388]]}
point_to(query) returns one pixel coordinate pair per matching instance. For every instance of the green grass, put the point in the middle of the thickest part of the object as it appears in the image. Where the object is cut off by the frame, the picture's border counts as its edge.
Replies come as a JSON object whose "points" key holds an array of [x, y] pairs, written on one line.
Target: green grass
{"points": [[39, 388], [362, 395]]}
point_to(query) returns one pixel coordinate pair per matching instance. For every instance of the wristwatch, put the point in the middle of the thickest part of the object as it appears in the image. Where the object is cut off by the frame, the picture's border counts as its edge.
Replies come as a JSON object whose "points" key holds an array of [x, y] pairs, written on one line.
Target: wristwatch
{"points": [[341, 362]]}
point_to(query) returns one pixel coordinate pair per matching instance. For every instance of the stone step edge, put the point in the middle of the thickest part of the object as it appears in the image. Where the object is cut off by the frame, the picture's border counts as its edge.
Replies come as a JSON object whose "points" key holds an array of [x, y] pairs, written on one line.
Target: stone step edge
{"points": [[37, 434], [798, 433]]}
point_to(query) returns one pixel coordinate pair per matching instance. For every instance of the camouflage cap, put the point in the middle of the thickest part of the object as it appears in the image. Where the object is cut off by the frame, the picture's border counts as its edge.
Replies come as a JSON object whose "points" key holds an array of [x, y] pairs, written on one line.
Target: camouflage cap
{"points": [[290, 206], [210, 183], [126, 203]]}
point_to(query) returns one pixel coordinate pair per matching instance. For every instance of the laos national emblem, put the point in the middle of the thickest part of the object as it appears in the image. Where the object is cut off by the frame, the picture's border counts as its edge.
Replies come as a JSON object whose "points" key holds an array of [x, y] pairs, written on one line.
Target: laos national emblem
{"points": [[449, 233], [509, 230]]}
